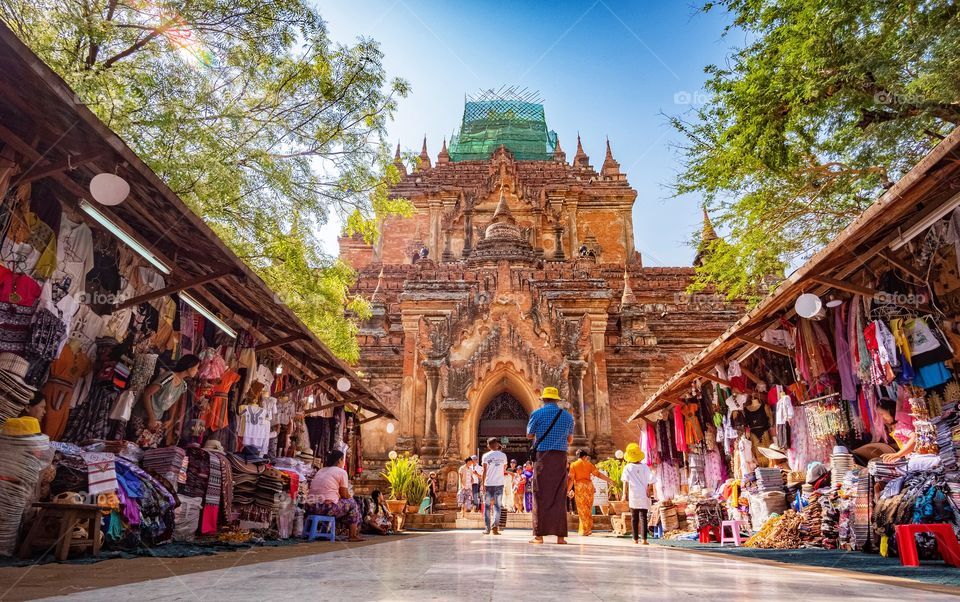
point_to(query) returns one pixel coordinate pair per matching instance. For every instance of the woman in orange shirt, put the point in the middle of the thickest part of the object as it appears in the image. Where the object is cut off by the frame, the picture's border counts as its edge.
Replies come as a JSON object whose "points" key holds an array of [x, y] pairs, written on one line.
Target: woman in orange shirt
{"points": [[582, 490]]}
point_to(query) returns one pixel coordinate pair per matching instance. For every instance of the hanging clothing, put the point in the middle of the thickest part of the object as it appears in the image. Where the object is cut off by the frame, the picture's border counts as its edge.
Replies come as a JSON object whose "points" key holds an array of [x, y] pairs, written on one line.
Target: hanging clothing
{"points": [[216, 416], [678, 429], [255, 427], [692, 430], [784, 416], [848, 379], [65, 372]]}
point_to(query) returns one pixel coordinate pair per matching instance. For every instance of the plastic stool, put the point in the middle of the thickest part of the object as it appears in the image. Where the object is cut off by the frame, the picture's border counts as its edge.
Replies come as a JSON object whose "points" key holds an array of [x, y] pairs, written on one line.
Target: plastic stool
{"points": [[658, 531], [312, 524], [734, 530], [710, 530], [946, 543]]}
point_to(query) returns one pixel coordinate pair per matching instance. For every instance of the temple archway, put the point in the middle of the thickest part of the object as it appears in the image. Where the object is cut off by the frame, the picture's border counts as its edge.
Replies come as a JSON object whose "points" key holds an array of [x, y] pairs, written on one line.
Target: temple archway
{"points": [[503, 379], [505, 418]]}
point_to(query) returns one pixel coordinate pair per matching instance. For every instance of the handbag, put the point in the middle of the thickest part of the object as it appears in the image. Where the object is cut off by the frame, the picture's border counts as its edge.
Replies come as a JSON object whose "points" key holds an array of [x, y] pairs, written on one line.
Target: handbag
{"points": [[531, 456]]}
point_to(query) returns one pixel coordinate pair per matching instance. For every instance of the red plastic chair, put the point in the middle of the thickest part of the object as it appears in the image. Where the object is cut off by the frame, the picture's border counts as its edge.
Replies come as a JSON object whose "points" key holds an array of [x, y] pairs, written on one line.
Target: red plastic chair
{"points": [[946, 543], [708, 531]]}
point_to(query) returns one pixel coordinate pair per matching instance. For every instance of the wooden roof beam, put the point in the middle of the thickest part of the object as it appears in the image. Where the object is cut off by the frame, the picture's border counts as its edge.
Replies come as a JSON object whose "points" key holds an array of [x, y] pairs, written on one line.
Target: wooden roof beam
{"points": [[765, 345], [279, 342], [173, 288], [38, 172], [710, 377]]}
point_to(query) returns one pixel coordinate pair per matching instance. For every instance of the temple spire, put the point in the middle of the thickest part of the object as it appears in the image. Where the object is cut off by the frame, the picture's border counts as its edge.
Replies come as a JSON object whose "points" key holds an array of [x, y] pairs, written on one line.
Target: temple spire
{"points": [[377, 296], [502, 213], [610, 169], [707, 236], [580, 159], [628, 298], [424, 155], [558, 154], [444, 156], [398, 161]]}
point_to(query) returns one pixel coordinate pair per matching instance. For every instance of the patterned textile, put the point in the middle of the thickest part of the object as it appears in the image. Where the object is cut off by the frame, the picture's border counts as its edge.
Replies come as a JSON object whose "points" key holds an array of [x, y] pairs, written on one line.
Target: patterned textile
{"points": [[90, 420], [556, 439], [583, 494], [345, 511]]}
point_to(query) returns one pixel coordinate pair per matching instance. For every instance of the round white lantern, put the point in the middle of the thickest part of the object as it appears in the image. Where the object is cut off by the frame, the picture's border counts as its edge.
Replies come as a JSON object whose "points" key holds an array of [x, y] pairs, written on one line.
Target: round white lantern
{"points": [[808, 305], [343, 384], [392, 455], [391, 427], [109, 189], [619, 454]]}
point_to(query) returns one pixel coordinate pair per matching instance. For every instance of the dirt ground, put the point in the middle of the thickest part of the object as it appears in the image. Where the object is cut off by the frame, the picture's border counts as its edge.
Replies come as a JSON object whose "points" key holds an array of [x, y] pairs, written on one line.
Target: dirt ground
{"points": [[54, 579]]}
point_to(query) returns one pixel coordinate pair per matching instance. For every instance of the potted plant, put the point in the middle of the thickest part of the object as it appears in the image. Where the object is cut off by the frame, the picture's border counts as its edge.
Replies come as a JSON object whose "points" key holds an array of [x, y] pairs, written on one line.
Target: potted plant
{"points": [[417, 488], [398, 472], [614, 469]]}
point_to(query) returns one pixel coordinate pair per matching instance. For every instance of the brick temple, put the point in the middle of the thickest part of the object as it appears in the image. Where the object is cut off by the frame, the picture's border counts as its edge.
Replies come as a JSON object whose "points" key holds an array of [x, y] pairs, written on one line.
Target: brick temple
{"points": [[517, 271]]}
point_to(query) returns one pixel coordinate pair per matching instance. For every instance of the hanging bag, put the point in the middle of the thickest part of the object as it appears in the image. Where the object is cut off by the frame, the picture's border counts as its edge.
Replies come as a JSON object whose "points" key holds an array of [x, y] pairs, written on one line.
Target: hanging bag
{"points": [[532, 455]]}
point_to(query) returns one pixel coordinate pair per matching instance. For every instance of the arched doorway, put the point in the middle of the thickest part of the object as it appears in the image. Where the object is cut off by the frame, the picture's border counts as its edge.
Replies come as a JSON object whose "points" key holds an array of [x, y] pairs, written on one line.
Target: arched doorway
{"points": [[504, 417]]}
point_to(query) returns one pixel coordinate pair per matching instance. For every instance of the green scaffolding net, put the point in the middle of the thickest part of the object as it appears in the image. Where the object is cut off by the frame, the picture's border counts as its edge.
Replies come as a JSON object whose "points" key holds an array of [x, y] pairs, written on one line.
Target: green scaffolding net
{"points": [[496, 119]]}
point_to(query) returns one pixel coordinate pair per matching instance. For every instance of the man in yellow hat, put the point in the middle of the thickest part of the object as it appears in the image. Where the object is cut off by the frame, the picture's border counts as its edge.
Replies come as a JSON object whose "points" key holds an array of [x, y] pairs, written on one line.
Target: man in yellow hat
{"points": [[637, 478], [551, 429]]}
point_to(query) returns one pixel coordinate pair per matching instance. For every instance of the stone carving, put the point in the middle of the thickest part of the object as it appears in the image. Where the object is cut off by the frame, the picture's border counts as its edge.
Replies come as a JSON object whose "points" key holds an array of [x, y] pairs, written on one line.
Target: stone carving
{"points": [[503, 407]]}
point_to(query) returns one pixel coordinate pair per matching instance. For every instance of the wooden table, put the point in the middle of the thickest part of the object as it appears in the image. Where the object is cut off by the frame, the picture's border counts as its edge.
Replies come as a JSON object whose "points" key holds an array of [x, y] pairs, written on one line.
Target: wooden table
{"points": [[69, 516]]}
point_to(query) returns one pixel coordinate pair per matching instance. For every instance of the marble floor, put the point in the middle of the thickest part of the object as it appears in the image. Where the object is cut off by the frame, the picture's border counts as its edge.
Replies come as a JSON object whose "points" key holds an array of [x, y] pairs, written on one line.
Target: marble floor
{"points": [[467, 566]]}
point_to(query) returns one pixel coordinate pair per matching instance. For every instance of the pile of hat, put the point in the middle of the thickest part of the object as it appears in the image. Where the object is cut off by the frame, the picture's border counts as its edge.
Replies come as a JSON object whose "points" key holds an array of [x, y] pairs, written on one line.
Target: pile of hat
{"points": [[245, 475], [269, 488], [769, 479], [24, 452], [841, 461], [15, 393]]}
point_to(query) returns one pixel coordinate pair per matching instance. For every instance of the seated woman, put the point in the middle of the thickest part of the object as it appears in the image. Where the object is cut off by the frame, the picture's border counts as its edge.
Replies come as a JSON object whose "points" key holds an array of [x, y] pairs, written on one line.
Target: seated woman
{"points": [[329, 495], [376, 518]]}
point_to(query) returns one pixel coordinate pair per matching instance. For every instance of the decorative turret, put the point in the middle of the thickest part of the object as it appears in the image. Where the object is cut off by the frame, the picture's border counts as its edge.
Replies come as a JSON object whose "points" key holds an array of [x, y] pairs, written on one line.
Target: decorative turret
{"points": [[580, 159], [424, 156], [558, 154], [502, 239], [628, 298], [444, 156], [503, 225], [378, 323], [377, 296], [610, 169], [707, 236], [398, 162]]}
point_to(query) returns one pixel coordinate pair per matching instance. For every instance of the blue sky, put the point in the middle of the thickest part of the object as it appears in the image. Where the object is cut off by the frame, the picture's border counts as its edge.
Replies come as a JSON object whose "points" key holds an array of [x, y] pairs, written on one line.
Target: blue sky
{"points": [[602, 67]]}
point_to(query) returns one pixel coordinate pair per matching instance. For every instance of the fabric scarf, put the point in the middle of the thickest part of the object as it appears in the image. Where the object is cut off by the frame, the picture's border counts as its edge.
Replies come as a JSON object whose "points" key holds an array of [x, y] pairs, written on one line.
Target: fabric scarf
{"points": [[101, 473]]}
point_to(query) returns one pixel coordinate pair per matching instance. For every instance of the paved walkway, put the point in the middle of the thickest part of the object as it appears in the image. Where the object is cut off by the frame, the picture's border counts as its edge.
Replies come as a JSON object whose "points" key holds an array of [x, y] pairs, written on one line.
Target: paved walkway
{"points": [[467, 566]]}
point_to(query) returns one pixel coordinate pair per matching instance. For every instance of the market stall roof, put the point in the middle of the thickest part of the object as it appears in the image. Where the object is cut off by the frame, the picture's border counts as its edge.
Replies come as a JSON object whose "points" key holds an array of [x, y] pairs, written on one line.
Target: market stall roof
{"points": [[43, 119], [929, 190]]}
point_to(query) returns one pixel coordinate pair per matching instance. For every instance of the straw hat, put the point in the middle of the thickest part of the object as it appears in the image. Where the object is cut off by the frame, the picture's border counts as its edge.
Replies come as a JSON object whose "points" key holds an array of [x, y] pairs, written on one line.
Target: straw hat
{"points": [[633, 453], [14, 365], [796, 477], [872, 450], [774, 452], [550, 393], [20, 427], [213, 445]]}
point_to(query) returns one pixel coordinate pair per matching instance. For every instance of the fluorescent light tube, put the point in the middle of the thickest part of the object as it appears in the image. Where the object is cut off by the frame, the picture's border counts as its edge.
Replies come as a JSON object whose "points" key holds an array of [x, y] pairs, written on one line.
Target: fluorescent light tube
{"points": [[930, 220], [208, 314], [119, 232]]}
